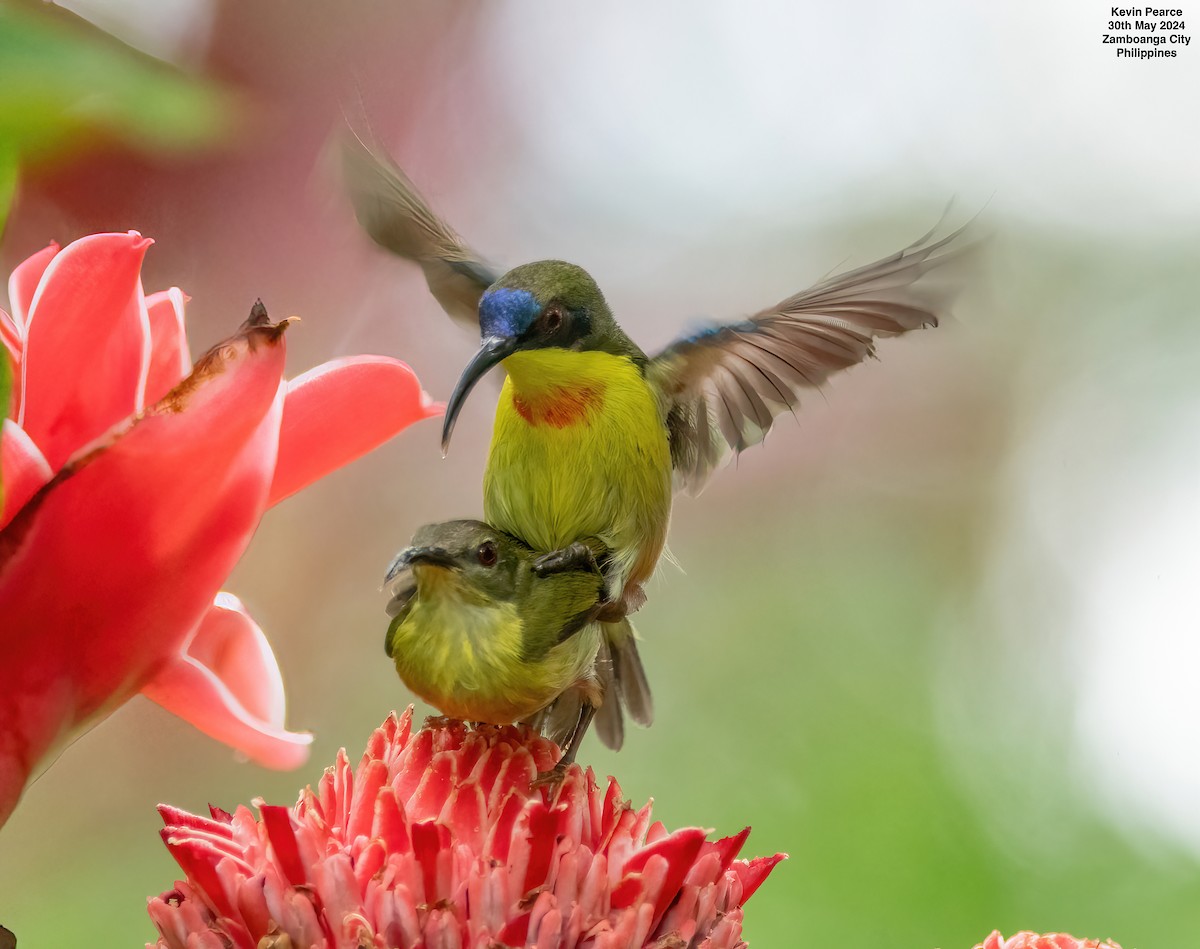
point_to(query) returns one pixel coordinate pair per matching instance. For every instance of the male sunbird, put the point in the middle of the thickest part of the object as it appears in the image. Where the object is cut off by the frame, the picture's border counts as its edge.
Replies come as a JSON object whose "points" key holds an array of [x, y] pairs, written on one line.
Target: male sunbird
{"points": [[483, 633], [591, 434]]}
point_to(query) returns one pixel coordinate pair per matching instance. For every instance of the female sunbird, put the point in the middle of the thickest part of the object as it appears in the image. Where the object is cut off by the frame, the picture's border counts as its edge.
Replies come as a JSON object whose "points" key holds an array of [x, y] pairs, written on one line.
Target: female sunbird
{"points": [[483, 633]]}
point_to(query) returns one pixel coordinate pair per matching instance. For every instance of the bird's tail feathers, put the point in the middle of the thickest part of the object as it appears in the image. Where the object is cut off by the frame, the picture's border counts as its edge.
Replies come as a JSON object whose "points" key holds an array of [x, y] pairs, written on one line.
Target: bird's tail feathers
{"points": [[610, 723], [622, 686], [629, 676], [622, 683]]}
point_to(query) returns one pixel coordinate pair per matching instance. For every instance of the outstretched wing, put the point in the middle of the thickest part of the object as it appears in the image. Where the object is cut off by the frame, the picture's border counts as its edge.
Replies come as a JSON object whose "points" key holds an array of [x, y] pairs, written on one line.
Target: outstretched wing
{"points": [[393, 213], [724, 386]]}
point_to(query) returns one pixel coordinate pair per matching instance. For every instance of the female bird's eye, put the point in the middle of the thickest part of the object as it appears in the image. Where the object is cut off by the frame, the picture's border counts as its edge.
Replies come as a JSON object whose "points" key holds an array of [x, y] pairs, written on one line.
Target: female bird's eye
{"points": [[487, 554], [552, 319]]}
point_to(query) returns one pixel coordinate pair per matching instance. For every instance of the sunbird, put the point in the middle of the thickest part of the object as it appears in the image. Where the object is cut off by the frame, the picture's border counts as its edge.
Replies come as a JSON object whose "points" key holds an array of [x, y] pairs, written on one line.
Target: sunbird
{"points": [[483, 632], [592, 436]]}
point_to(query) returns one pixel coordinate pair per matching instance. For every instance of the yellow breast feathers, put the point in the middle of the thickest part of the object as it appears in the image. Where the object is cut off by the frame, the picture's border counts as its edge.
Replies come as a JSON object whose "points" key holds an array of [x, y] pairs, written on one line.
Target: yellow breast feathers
{"points": [[580, 449]]}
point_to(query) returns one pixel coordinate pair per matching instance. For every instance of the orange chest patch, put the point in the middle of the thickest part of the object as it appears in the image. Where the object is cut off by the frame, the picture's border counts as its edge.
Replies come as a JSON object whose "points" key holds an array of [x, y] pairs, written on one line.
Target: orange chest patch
{"points": [[559, 408]]}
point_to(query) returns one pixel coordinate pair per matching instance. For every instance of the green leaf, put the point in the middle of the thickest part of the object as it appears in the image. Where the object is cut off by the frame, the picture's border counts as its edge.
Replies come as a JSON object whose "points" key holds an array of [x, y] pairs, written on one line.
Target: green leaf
{"points": [[62, 79]]}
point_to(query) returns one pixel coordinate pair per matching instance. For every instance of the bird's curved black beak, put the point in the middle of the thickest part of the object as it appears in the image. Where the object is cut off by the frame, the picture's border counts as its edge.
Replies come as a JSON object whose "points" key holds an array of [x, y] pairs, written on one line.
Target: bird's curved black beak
{"points": [[401, 584], [493, 350], [406, 559]]}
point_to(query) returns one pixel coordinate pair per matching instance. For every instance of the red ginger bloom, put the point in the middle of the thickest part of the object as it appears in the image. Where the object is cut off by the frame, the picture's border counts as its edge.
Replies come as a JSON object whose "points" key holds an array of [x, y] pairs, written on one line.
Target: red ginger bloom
{"points": [[129, 492], [1028, 940], [437, 840]]}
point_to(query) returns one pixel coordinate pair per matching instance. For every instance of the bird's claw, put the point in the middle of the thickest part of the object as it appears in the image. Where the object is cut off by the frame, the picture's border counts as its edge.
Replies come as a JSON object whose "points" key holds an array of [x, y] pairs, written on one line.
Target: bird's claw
{"points": [[577, 556], [550, 779]]}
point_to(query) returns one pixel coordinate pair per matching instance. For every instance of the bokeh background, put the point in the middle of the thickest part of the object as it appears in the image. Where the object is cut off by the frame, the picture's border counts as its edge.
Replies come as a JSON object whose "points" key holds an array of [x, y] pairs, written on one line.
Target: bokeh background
{"points": [[937, 639]]}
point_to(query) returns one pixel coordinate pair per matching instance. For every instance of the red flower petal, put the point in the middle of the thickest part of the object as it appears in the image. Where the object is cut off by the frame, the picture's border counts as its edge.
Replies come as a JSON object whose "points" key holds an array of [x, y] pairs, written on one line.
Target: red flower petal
{"points": [[170, 360], [729, 847], [203, 864], [174, 817], [367, 781], [86, 344], [227, 683], [680, 850], [435, 784], [501, 836], [341, 410], [22, 469], [427, 843], [278, 822], [128, 545], [23, 283], [515, 931], [389, 824], [466, 815], [541, 824], [757, 871]]}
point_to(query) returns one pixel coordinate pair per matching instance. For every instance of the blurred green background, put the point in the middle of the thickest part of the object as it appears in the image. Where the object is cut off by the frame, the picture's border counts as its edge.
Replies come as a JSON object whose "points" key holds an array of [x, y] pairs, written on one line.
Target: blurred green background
{"points": [[937, 640]]}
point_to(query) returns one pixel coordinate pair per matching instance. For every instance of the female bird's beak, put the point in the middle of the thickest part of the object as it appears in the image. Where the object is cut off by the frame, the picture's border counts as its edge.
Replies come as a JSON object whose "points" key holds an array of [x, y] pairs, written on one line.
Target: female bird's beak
{"points": [[493, 350], [406, 559], [401, 583]]}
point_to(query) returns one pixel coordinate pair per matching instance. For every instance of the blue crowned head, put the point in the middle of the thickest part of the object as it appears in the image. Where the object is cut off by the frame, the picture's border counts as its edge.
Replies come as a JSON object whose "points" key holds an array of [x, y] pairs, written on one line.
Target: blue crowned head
{"points": [[549, 304], [507, 312]]}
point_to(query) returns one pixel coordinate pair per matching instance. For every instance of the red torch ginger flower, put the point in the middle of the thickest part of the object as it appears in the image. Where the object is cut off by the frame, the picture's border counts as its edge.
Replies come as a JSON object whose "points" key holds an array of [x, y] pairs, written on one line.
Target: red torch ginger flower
{"points": [[1028, 940], [129, 492], [437, 840]]}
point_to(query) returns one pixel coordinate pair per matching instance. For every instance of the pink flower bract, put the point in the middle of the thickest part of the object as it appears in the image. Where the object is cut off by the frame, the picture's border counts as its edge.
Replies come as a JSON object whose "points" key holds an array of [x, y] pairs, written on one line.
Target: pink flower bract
{"points": [[130, 489], [437, 840], [1028, 940]]}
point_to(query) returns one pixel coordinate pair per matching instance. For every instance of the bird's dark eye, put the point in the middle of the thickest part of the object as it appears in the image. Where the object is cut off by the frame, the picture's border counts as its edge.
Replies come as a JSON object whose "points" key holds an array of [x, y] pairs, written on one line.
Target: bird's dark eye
{"points": [[487, 553], [552, 318]]}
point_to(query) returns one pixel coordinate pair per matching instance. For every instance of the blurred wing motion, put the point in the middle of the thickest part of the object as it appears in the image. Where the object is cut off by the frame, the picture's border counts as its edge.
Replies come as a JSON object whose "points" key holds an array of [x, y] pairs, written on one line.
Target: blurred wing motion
{"points": [[394, 214], [724, 386]]}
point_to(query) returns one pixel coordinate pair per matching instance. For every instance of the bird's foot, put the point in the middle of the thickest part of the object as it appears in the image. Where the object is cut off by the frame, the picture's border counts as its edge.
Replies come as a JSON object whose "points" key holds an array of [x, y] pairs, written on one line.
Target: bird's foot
{"points": [[577, 556], [552, 778]]}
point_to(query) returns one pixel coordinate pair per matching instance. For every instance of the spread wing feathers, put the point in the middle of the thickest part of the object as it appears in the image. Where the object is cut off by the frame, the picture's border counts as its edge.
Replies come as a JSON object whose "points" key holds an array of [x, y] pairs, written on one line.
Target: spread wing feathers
{"points": [[392, 211], [724, 386]]}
